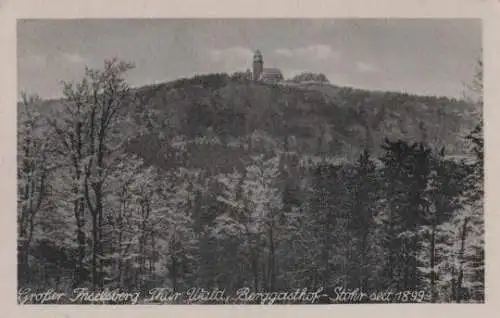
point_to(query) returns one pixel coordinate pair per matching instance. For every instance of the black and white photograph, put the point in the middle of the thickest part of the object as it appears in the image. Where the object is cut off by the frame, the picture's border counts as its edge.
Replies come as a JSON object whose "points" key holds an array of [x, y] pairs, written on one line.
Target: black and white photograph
{"points": [[257, 161]]}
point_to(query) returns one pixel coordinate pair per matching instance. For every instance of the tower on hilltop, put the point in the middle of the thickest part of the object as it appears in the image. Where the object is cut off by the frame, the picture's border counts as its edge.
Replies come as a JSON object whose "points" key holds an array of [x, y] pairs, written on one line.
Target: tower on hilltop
{"points": [[264, 75], [258, 65]]}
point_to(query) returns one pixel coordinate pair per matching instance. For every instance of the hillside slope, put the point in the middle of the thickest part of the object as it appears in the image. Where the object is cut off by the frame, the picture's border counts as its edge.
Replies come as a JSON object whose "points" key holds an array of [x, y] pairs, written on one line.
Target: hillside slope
{"points": [[216, 117], [313, 120]]}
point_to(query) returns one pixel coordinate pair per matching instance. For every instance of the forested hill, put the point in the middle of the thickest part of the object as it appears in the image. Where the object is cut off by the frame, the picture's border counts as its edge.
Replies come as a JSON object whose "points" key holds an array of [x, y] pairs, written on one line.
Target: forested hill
{"points": [[244, 185], [315, 120]]}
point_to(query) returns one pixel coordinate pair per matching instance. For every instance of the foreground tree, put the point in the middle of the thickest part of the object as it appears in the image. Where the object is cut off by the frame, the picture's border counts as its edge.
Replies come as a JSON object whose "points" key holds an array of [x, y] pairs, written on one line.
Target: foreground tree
{"points": [[32, 175], [91, 130]]}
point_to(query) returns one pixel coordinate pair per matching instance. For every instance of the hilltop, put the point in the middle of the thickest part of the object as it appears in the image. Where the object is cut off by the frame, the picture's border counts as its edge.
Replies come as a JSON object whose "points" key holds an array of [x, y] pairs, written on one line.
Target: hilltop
{"points": [[221, 114], [311, 119]]}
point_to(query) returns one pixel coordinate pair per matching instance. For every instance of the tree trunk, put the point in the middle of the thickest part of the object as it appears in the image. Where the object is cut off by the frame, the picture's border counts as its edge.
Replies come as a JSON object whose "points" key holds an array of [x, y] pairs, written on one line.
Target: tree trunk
{"points": [[95, 280], [80, 235], [363, 279], [271, 268], [462, 261], [79, 205], [433, 263], [101, 250], [173, 274], [255, 270]]}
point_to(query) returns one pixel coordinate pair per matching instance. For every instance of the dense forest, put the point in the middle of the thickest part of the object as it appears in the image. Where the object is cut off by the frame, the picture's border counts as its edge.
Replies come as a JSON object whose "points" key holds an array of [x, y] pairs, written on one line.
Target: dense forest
{"points": [[219, 182]]}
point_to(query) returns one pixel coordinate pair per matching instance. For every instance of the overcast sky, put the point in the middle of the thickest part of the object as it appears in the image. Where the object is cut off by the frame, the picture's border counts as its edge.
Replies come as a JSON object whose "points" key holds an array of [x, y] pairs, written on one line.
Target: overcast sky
{"points": [[420, 56]]}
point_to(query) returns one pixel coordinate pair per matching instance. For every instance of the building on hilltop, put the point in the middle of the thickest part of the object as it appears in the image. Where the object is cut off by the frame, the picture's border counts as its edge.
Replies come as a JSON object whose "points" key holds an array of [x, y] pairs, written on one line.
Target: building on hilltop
{"points": [[275, 76], [259, 73], [257, 66]]}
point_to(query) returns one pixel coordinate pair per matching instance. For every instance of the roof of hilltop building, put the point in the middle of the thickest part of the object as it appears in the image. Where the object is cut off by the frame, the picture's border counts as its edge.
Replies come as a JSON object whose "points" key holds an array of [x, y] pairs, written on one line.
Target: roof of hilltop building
{"points": [[271, 74]]}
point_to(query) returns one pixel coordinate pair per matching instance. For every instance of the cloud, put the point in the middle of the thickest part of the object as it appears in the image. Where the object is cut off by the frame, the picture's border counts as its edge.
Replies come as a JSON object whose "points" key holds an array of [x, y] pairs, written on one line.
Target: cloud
{"points": [[73, 58], [317, 52], [363, 67], [32, 61], [231, 54], [229, 59], [284, 52]]}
